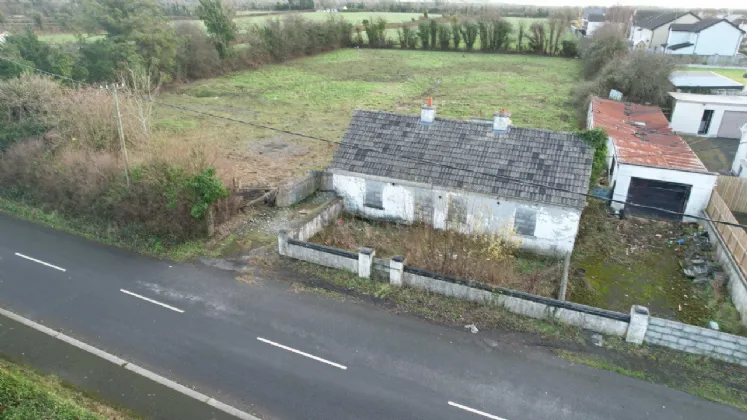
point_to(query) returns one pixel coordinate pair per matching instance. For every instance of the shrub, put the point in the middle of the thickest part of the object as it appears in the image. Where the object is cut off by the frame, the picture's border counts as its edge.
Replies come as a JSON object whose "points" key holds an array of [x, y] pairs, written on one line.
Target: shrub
{"points": [[569, 48], [597, 139], [218, 20], [196, 57], [444, 36], [469, 33], [408, 38], [605, 45], [424, 35]]}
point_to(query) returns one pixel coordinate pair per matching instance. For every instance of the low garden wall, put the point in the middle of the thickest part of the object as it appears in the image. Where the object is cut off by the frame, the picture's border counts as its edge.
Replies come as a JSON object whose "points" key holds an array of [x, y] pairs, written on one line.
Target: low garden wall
{"points": [[316, 221], [696, 340], [299, 189], [637, 326]]}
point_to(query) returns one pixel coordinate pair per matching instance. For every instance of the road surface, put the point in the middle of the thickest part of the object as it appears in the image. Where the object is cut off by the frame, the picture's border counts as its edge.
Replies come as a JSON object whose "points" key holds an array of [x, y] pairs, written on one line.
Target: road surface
{"points": [[278, 354]]}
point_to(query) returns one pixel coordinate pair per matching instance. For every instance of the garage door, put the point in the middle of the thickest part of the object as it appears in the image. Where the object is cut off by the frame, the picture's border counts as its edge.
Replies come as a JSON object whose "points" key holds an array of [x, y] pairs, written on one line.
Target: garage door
{"points": [[661, 195], [731, 123]]}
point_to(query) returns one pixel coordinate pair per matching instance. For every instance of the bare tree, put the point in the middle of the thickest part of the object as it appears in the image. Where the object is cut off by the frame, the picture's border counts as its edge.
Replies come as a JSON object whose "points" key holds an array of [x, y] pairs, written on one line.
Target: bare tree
{"points": [[141, 87]]}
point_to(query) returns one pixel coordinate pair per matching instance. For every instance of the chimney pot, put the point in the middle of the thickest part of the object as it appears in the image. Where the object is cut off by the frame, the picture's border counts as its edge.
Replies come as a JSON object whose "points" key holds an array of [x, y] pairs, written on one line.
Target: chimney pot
{"points": [[502, 122], [427, 113]]}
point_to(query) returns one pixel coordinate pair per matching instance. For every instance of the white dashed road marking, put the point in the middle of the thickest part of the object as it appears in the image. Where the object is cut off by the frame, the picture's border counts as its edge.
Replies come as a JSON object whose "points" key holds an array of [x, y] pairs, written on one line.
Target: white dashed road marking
{"points": [[152, 301], [310, 356], [478, 412], [40, 262]]}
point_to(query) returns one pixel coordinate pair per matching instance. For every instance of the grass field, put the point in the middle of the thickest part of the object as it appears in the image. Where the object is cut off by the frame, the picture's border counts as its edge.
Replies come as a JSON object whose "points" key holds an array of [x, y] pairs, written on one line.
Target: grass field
{"points": [[734, 74], [24, 394], [356, 18], [318, 95]]}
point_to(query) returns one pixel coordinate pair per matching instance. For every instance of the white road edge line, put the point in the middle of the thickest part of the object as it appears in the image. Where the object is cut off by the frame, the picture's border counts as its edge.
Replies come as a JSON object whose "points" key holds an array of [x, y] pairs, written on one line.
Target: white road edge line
{"points": [[478, 412], [40, 262], [310, 356], [152, 301], [131, 367]]}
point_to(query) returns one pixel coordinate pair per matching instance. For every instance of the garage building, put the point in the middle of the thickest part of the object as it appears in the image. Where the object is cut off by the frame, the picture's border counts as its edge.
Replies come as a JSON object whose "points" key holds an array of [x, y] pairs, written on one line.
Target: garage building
{"points": [[648, 164], [709, 115]]}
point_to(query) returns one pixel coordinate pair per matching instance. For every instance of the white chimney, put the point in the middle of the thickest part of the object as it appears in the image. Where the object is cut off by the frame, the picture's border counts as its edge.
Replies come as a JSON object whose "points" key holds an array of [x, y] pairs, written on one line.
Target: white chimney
{"points": [[501, 122], [427, 113]]}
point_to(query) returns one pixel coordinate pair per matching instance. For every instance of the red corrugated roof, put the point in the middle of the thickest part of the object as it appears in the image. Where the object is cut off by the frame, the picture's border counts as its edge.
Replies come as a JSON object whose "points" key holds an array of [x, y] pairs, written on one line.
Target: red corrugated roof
{"points": [[654, 144]]}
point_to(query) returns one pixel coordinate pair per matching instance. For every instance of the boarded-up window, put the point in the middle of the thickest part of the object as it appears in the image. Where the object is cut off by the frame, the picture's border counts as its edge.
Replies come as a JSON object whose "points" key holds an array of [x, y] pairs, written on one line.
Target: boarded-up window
{"points": [[373, 194], [457, 210], [525, 221]]}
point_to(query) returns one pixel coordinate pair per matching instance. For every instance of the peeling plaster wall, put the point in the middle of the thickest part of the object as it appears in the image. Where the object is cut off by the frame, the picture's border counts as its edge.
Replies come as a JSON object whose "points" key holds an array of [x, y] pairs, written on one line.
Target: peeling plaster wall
{"points": [[555, 227]]}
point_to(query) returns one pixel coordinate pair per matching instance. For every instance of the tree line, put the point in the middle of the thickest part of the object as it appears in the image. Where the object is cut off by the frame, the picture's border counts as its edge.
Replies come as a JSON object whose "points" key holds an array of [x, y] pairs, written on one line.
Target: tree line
{"points": [[487, 34]]}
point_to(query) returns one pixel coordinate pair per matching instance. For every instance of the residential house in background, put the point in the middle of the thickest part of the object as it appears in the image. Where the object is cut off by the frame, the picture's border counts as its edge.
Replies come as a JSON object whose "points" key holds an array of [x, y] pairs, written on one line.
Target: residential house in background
{"points": [[476, 176], [704, 82], [709, 115], [739, 166], [648, 164], [594, 22], [652, 32], [705, 37]]}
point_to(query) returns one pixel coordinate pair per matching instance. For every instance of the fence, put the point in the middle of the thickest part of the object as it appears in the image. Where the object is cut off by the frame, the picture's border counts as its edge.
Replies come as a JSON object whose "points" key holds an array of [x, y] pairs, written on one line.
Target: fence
{"points": [[733, 190], [734, 237], [710, 60]]}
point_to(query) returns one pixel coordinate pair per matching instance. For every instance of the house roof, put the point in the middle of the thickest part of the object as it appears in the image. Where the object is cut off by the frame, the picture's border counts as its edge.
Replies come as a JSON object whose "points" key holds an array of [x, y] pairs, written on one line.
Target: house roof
{"points": [[642, 136], [596, 18], [467, 155], [656, 21], [699, 26], [676, 47], [736, 100], [702, 79]]}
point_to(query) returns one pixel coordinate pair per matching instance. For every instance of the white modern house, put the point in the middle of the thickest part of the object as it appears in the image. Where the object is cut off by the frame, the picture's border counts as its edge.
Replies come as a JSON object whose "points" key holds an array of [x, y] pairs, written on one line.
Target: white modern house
{"points": [[594, 22], [739, 166], [705, 37], [476, 176], [653, 31], [708, 115], [649, 166]]}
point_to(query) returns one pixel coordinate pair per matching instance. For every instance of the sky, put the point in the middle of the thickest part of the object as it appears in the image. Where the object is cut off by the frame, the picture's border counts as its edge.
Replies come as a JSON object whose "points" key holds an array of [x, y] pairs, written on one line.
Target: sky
{"points": [[673, 4]]}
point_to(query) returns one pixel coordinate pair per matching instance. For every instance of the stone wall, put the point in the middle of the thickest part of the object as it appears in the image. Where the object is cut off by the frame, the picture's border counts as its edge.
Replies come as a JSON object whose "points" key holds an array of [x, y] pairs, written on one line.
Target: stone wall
{"points": [[697, 340]]}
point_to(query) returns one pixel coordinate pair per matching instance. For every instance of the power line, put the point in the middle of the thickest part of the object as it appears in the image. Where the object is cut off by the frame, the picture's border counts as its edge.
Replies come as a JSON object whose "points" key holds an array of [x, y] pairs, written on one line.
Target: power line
{"points": [[411, 158]]}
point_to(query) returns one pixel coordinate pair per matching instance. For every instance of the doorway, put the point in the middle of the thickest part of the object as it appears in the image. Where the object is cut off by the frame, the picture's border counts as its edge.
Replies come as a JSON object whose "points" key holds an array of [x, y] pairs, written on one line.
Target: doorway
{"points": [[705, 122]]}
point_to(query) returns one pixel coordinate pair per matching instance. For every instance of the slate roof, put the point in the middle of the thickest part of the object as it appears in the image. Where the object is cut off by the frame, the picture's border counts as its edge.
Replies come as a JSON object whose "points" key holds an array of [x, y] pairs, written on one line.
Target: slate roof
{"points": [[596, 18], [698, 26], [655, 21], [465, 155]]}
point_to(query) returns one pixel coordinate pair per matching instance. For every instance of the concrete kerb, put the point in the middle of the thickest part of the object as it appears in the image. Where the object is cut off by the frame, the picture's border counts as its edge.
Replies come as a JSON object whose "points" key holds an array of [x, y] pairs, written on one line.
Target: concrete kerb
{"points": [[131, 367]]}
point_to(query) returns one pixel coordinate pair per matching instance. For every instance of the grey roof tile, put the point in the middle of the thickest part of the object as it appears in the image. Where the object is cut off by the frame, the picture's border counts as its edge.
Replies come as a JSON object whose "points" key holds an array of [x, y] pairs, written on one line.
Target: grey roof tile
{"points": [[475, 157]]}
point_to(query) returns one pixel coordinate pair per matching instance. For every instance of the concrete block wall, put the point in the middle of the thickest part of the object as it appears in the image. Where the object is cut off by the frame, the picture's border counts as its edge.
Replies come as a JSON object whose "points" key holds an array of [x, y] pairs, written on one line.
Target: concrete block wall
{"points": [[697, 340], [299, 189], [316, 221], [322, 255], [517, 305]]}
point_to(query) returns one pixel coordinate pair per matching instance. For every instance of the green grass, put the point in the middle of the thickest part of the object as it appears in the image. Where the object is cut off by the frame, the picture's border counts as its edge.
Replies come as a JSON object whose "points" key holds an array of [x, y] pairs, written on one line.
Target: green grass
{"points": [[736, 75], [96, 231], [356, 18], [25, 394]]}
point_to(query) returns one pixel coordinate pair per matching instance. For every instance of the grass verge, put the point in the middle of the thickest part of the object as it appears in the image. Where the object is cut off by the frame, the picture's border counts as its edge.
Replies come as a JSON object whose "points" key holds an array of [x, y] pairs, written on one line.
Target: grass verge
{"points": [[25, 394], [97, 232], [707, 378]]}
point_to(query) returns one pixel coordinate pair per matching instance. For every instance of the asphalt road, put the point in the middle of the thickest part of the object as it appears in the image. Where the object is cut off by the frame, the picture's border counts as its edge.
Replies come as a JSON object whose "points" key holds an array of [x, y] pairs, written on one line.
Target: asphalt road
{"points": [[279, 354]]}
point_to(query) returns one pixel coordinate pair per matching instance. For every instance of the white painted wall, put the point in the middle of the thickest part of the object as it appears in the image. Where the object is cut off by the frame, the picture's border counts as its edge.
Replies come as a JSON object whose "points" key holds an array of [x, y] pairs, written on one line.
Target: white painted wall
{"points": [[638, 34], [678, 37], [661, 33], [702, 185], [555, 230], [741, 156], [719, 39], [591, 27], [686, 116]]}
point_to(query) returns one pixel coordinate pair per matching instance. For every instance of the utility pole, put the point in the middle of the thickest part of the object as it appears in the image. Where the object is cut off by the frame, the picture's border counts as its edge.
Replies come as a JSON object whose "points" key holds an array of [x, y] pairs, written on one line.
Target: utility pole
{"points": [[564, 279], [121, 135]]}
